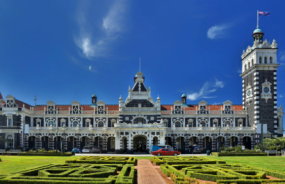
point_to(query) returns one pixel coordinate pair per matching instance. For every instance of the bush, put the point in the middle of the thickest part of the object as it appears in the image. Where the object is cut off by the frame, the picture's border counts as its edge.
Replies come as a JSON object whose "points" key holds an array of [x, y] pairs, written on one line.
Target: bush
{"points": [[239, 154], [238, 149]]}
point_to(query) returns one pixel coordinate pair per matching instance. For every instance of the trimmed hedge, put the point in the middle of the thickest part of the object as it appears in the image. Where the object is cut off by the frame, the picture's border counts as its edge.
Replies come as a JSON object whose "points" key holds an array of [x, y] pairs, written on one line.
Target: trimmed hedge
{"points": [[46, 154], [104, 160], [185, 160], [249, 181], [75, 174], [217, 154]]}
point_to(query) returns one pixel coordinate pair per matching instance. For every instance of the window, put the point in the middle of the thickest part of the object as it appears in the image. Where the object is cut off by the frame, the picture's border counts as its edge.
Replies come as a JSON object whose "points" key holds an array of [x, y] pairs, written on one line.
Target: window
{"points": [[177, 124], [271, 60], [139, 120], [260, 59], [265, 60], [100, 124], [75, 123], [252, 62], [51, 123], [245, 68], [10, 123], [248, 65]]}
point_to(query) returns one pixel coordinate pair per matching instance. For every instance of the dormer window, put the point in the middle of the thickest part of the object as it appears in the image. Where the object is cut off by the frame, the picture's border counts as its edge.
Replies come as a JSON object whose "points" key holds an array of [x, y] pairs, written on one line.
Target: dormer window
{"points": [[203, 109], [50, 109]]}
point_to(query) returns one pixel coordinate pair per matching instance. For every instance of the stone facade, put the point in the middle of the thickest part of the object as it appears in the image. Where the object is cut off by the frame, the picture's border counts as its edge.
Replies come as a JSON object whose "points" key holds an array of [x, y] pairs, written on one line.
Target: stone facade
{"points": [[139, 122]]}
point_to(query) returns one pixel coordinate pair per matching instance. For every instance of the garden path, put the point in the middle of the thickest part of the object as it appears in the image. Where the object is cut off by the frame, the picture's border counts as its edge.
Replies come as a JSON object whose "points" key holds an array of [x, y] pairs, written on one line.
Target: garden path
{"points": [[147, 174]]}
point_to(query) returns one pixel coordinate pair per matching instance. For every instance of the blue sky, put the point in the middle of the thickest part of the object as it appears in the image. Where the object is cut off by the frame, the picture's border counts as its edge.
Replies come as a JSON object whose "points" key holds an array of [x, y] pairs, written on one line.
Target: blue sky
{"points": [[68, 50]]}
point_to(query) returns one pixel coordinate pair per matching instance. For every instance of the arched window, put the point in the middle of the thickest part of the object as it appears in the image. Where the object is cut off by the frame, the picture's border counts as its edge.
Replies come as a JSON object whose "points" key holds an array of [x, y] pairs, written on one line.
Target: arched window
{"points": [[75, 123], [245, 68], [248, 65], [260, 59], [265, 60], [271, 60], [177, 124], [252, 62], [203, 124], [139, 120], [51, 123], [100, 124]]}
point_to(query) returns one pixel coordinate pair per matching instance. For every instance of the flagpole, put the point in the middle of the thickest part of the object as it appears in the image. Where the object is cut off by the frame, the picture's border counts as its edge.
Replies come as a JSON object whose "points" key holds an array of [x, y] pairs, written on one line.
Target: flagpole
{"points": [[257, 18]]}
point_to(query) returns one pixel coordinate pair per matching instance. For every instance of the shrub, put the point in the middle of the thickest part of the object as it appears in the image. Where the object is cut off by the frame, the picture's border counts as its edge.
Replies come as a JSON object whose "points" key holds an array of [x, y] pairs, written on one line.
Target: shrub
{"points": [[238, 149]]}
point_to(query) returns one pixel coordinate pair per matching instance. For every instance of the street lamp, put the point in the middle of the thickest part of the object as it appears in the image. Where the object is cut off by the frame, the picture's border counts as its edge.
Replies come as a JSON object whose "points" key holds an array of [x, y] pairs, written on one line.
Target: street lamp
{"points": [[219, 139]]}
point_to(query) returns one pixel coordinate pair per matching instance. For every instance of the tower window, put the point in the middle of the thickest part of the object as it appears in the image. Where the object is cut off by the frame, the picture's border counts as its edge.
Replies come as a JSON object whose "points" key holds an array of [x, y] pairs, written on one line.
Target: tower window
{"points": [[271, 60], [248, 65], [260, 59], [252, 62], [265, 60], [245, 67]]}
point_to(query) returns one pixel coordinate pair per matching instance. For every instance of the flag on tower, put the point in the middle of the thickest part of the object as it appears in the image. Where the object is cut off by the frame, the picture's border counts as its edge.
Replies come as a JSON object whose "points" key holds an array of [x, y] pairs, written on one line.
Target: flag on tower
{"points": [[263, 14]]}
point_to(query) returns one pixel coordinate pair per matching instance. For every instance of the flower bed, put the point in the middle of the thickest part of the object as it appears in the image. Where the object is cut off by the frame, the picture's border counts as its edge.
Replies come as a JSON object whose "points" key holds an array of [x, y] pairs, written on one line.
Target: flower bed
{"points": [[75, 174], [238, 154]]}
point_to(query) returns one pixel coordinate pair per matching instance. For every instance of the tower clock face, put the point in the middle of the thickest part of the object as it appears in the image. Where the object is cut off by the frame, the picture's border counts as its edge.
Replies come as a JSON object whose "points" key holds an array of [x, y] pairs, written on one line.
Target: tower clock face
{"points": [[266, 90], [249, 93]]}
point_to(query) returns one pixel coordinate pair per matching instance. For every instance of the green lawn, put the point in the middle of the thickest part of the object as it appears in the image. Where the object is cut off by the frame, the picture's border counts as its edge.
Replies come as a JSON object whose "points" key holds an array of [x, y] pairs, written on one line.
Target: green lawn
{"points": [[12, 164], [272, 162]]}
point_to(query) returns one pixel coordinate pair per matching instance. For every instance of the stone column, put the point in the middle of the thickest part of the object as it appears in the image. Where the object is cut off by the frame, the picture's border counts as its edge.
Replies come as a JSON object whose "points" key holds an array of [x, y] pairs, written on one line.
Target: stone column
{"points": [[118, 142], [201, 141], [214, 143], [240, 142], [104, 143], [38, 141], [51, 142], [77, 141], [64, 141], [26, 141], [161, 140], [186, 140], [91, 140], [174, 141]]}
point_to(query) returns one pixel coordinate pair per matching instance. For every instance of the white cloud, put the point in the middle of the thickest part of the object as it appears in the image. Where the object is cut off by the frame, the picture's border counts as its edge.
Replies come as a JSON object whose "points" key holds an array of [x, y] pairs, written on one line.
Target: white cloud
{"points": [[219, 84], [112, 25], [281, 96], [206, 90], [90, 68], [216, 31], [239, 70]]}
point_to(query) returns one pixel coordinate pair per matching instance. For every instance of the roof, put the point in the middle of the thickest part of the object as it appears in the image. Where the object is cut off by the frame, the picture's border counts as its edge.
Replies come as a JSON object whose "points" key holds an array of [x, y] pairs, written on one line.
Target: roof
{"points": [[66, 107], [257, 30], [1, 97], [21, 104], [193, 107], [93, 95]]}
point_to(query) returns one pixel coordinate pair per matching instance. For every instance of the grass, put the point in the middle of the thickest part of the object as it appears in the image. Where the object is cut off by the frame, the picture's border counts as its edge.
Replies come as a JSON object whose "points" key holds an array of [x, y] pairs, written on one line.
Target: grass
{"points": [[272, 162], [12, 164]]}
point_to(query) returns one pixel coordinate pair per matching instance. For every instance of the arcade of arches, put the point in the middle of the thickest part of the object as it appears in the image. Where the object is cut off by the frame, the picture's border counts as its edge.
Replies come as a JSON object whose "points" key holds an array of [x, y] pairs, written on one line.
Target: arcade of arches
{"points": [[138, 143]]}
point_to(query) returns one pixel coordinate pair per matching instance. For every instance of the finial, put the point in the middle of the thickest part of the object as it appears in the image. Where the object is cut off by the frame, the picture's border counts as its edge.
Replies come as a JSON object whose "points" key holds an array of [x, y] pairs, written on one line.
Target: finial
{"points": [[129, 87], [35, 100]]}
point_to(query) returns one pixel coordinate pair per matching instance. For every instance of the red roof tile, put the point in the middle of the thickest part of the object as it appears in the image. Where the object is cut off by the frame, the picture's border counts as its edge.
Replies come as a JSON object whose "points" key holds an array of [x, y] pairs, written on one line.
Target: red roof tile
{"points": [[20, 104], [1, 97]]}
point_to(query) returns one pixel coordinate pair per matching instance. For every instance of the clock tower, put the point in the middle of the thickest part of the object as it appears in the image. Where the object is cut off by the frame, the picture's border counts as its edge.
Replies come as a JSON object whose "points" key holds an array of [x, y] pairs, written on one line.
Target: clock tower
{"points": [[259, 82]]}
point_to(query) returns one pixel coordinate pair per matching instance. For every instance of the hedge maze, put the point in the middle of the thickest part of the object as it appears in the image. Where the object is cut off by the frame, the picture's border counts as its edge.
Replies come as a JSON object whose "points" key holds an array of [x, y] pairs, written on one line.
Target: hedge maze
{"points": [[93, 170], [182, 170]]}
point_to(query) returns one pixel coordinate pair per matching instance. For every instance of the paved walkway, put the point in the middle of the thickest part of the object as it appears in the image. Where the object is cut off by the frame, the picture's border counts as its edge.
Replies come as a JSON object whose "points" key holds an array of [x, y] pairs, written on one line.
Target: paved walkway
{"points": [[147, 174], [130, 155]]}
